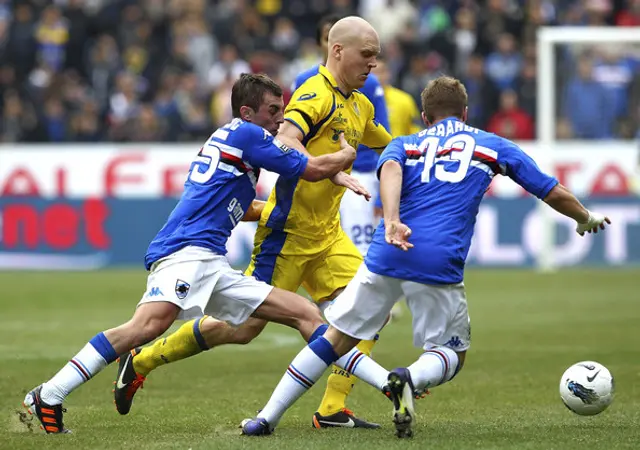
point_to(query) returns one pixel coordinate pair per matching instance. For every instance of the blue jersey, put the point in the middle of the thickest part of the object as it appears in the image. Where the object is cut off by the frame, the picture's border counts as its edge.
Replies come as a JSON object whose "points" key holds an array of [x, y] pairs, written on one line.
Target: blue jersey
{"points": [[366, 158], [447, 168], [221, 186]]}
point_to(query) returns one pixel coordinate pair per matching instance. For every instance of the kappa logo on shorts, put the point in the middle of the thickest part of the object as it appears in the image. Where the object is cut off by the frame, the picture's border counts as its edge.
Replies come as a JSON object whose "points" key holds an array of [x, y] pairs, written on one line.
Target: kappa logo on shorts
{"points": [[182, 288], [155, 292], [454, 342]]}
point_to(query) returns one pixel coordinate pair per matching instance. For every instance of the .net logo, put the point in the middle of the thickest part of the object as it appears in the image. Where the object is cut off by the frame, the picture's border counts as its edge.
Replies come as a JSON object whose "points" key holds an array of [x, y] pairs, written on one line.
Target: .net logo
{"points": [[53, 234]]}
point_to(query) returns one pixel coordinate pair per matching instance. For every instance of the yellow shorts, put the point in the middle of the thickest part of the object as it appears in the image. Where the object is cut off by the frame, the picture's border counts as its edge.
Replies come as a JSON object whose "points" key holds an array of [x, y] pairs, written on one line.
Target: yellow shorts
{"points": [[287, 261]]}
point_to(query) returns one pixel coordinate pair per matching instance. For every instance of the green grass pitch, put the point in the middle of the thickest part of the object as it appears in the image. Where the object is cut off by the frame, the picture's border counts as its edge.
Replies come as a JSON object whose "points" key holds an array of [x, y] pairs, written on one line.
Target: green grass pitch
{"points": [[527, 329]]}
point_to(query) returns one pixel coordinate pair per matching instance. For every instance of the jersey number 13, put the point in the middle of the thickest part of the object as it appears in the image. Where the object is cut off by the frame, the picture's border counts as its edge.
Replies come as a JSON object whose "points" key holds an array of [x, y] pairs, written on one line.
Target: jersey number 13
{"points": [[458, 148]]}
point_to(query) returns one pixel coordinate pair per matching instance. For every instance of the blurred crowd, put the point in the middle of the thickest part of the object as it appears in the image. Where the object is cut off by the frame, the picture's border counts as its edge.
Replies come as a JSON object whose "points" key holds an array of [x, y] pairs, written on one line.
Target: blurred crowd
{"points": [[161, 70]]}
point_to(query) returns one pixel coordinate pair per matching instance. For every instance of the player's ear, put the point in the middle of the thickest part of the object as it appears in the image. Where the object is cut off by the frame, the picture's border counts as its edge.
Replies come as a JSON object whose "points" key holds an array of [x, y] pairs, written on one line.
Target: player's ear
{"points": [[465, 114], [424, 119], [246, 113], [337, 51]]}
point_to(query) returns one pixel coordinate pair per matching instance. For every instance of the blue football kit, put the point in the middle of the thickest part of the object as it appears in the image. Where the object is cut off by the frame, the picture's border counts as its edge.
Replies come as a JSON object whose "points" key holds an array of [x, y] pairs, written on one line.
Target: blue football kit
{"points": [[447, 168], [221, 186]]}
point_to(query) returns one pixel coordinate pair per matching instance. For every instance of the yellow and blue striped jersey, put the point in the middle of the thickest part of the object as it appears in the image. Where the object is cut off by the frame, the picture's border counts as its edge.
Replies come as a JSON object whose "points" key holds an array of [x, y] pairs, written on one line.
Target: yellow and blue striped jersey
{"points": [[321, 112], [404, 117]]}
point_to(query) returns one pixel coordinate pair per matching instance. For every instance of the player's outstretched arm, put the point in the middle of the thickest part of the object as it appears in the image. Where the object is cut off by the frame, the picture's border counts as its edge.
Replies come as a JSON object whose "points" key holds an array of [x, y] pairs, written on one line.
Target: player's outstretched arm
{"points": [[396, 233], [563, 201], [254, 211]]}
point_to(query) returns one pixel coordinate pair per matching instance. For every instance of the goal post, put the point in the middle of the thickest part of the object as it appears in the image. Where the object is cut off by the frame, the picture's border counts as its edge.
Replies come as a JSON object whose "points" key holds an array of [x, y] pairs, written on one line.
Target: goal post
{"points": [[548, 38]]}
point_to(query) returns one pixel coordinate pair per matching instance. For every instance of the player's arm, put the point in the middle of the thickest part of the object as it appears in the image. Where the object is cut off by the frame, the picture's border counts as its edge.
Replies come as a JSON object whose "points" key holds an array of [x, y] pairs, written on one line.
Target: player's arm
{"points": [[318, 167], [522, 169], [254, 211], [302, 115], [390, 173], [563, 201]]}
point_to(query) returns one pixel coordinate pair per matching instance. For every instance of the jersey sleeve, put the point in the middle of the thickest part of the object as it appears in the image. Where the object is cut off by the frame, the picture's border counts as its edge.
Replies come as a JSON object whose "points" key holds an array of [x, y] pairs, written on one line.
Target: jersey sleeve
{"points": [[394, 152], [309, 106], [264, 151], [375, 135], [522, 169]]}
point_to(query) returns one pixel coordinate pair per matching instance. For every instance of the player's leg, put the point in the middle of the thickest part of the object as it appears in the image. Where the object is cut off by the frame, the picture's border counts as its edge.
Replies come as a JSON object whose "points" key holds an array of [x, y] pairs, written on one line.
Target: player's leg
{"points": [[358, 313], [327, 276], [148, 322], [203, 334], [441, 327], [188, 278]]}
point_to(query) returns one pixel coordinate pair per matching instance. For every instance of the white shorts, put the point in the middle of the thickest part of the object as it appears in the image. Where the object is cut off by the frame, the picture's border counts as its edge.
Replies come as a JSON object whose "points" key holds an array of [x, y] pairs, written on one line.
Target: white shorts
{"points": [[201, 282], [357, 214], [440, 315]]}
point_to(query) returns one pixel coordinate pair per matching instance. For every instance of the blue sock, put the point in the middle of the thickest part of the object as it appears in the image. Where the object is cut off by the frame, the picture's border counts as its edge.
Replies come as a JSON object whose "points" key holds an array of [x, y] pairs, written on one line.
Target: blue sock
{"points": [[104, 347], [324, 350], [319, 332]]}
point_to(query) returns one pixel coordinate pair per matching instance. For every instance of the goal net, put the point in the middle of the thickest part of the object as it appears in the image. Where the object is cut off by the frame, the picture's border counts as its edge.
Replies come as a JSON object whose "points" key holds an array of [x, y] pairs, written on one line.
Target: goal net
{"points": [[588, 110]]}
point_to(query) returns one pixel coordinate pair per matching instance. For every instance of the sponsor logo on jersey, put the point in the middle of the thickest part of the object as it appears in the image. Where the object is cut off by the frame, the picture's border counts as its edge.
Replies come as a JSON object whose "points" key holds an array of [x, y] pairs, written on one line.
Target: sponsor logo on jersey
{"points": [[281, 146], [307, 96]]}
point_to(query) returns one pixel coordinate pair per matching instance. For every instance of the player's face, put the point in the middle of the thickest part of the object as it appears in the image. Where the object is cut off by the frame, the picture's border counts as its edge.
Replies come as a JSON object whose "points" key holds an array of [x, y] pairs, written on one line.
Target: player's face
{"points": [[270, 114], [358, 59]]}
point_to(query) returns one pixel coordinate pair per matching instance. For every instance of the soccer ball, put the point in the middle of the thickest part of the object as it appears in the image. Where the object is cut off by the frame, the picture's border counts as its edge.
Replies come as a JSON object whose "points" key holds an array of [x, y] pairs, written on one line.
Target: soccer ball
{"points": [[586, 388]]}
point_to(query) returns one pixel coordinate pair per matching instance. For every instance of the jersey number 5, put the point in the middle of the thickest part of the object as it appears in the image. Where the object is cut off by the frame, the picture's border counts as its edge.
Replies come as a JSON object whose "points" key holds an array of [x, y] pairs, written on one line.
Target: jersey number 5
{"points": [[207, 159], [457, 148]]}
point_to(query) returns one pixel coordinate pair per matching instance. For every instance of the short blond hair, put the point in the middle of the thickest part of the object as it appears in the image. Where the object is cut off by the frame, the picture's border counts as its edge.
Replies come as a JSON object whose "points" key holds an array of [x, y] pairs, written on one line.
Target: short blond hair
{"points": [[444, 97]]}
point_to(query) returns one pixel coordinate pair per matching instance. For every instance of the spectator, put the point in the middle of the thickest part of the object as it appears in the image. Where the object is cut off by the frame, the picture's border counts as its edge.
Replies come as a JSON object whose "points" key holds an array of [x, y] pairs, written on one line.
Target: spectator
{"points": [[630, 16], [483, 96], [54, 120], [586, 105], [504, 65], [511, 121], [86, 70], [52, 35], [230, 65]]}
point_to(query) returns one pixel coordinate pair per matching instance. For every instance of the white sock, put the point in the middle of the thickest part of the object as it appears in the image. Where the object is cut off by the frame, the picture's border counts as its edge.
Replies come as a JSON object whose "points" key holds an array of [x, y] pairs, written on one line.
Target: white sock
{"points": [[435, 366], [80, 369], [360, 365], [305, 369]]}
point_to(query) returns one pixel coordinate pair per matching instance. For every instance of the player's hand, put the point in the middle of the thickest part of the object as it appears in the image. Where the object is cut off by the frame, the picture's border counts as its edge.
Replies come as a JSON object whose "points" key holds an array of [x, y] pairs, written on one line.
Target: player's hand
{"points": [[352, 183], [397, 234], [349, 151], [592, 224]]}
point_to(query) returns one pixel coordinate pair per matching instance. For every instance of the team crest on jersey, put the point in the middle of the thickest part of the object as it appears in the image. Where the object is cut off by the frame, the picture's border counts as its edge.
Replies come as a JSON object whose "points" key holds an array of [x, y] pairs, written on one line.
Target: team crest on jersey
{"points": [[308, 96], [336, 134], [281, 146], [182, 288]]}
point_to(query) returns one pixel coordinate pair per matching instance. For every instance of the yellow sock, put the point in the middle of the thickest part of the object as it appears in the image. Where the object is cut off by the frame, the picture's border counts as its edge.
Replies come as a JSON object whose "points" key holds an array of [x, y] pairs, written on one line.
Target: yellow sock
{"points": [[186, 341], [340, 383]]}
